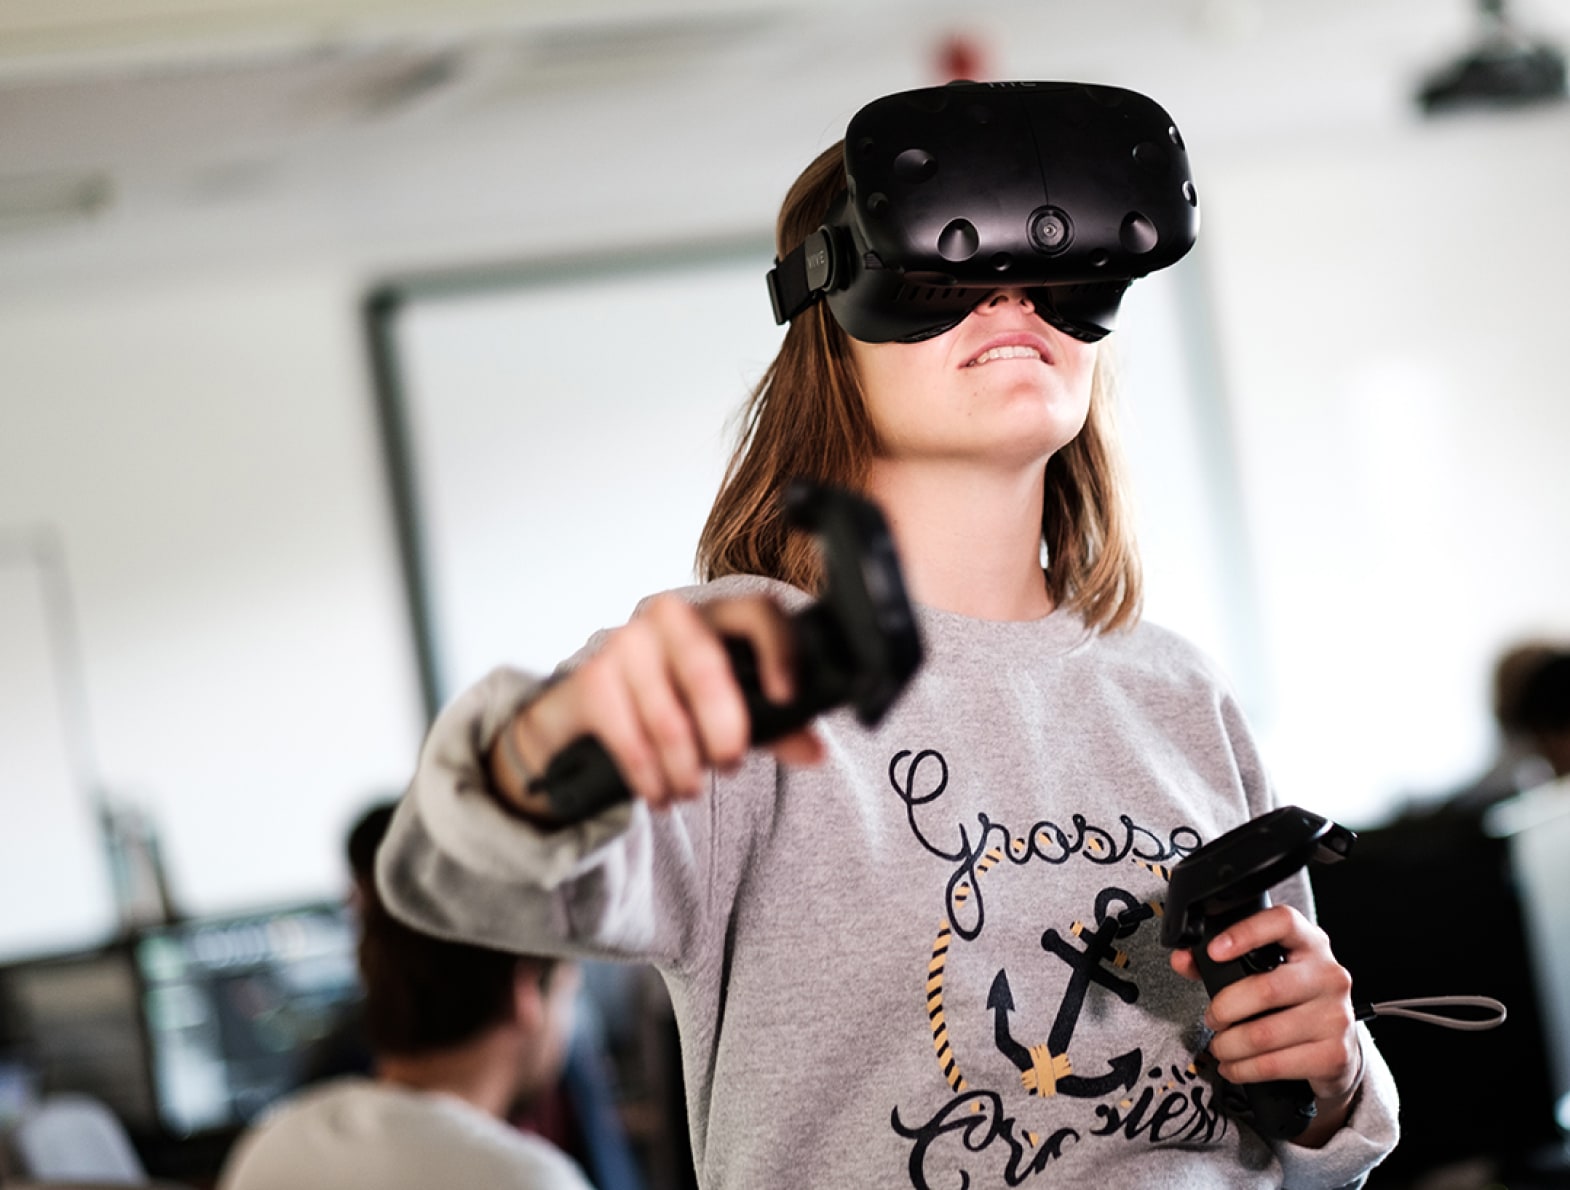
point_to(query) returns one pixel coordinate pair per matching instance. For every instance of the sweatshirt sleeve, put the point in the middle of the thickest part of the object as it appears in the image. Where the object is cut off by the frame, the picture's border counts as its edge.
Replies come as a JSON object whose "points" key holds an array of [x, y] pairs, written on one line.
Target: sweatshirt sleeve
{"points": [[1366, 1139], [1370, 1132], [622, 884]]}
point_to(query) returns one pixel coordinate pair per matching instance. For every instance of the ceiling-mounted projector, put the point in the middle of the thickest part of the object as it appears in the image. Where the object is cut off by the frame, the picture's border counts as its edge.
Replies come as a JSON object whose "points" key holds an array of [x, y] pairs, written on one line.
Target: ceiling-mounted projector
{"points": [[1506, 69]]}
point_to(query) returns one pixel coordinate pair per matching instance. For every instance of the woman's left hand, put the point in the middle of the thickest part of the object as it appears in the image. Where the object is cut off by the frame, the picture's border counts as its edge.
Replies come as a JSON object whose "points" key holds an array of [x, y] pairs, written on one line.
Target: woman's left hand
{"points": [[1294, 1022]]}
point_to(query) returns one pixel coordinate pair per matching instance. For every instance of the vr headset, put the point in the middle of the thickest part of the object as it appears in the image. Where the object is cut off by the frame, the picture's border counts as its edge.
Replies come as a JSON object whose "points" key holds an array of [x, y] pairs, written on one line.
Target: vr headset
{"points": [[1068, 191]]}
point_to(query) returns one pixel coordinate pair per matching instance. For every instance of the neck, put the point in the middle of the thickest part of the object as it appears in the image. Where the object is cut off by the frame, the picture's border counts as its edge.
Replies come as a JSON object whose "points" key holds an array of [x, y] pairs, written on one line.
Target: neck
{"points": [[482, 1073], [969, 541]]}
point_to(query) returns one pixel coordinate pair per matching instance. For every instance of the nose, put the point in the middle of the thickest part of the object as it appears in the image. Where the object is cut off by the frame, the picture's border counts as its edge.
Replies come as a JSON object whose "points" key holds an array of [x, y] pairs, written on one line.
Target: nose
{"points": [[1000, 298]]}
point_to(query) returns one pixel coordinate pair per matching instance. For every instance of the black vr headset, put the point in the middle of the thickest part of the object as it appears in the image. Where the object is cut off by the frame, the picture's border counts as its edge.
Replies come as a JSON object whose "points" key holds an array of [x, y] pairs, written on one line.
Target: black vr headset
{"points": [[1068, 191]]}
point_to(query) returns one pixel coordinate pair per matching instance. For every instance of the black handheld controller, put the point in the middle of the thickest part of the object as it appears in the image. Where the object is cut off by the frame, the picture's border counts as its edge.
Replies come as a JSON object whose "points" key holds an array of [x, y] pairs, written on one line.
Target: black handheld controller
{"points": [[1229, 879], [857, 644]]}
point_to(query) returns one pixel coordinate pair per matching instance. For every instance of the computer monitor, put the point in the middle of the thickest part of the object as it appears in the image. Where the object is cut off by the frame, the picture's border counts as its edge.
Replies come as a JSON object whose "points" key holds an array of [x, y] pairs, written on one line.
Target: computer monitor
{"points": [[233, 1005], [71, 1021]]}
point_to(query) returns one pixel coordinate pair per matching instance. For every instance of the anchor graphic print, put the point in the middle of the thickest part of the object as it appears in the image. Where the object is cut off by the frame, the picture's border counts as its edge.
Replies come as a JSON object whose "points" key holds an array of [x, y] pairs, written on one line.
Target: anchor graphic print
{"points": [[1028, 1081]]}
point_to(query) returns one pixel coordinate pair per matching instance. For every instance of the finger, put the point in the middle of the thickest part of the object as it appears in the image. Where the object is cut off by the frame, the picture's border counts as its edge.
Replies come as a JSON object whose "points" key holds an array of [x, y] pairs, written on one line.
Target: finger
{"points": [[1304, 1023], [1308, 974], [604, 706], [803, 748], [703, 681], [1279, 924], [1183, 963], [764, 625], [1302, 979], [662, 711], [1327, 1062], [1329, 1065]]}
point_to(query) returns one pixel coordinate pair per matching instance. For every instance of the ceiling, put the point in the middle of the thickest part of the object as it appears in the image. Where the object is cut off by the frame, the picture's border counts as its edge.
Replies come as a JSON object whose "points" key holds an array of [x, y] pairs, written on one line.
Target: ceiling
{"points": [[394, 134]]}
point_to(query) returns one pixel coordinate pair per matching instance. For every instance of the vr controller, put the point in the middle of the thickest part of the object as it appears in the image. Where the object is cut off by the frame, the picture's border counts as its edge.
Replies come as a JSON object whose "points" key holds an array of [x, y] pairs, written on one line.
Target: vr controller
{"points": [[1227, 880], [857, 644], [1067, 190]]}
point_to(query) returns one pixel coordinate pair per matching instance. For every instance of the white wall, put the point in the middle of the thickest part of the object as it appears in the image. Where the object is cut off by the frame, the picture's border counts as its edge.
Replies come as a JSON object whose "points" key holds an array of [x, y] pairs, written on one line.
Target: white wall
{"points": [[1391, 317], [204, 446]]}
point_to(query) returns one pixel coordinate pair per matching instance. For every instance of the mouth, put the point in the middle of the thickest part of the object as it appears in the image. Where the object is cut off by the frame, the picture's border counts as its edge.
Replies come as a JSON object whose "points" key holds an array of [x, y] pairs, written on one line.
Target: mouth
{"points": [[1012, 347]]}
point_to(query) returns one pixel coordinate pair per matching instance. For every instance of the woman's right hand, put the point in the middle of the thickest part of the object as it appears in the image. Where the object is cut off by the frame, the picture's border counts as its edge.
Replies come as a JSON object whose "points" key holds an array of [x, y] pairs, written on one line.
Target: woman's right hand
{"points": [[660, 697]]}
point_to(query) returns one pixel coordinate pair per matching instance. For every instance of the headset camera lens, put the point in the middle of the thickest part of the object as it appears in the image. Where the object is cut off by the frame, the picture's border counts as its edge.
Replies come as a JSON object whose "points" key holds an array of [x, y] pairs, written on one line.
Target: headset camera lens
{"points": [[1050, 230]]}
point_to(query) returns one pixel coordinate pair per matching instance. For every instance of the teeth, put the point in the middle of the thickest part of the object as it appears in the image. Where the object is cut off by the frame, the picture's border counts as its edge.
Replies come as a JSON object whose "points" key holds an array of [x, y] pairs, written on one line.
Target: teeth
{"points": [[1016, 352]]}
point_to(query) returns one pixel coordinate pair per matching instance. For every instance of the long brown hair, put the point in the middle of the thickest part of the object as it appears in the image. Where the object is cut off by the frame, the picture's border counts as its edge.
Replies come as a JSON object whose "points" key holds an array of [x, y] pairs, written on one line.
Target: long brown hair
{"points": [[807, 418]]}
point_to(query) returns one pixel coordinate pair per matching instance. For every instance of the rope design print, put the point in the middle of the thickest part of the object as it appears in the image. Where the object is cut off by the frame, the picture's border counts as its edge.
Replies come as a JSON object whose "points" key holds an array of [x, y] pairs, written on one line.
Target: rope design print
{"points": [[935, 971]]}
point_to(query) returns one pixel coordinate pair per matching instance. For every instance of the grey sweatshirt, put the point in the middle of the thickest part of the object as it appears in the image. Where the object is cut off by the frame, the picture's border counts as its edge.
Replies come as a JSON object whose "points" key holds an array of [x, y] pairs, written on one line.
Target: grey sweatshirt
{"points": [[933, 960]]}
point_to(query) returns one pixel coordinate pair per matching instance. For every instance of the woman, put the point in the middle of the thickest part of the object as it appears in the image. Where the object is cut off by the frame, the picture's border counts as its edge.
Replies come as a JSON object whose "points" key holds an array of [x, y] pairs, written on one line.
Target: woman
{"points": [[928, 952]]}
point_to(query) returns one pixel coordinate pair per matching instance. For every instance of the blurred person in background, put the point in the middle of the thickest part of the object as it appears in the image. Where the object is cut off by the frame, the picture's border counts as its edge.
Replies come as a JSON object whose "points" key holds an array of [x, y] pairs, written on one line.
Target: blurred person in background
{"points": [[459, 1036], [1531, 704], [1436, 895], [578, 1112]]}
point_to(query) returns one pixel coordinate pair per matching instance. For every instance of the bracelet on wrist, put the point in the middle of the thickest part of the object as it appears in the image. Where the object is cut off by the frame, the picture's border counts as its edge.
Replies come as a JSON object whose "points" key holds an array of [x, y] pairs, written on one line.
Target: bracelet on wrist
{"points": [[528, 782]]}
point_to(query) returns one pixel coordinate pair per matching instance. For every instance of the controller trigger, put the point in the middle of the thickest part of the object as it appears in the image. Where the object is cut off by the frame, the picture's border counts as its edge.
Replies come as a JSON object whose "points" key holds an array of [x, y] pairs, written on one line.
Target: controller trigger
{"points": [[1263, 959]]}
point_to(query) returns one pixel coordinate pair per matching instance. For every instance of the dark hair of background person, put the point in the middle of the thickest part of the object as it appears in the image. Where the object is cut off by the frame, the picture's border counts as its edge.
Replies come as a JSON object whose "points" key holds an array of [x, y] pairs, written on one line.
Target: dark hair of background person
{"points": [[1532, 691], [424, 993], [365, 836]]}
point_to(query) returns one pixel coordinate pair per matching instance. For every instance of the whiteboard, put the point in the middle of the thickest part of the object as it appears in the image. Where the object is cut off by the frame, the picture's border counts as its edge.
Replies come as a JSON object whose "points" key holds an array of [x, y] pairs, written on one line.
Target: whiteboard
{"points": [[569, 425], [568, 434], [1401, 421]]}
